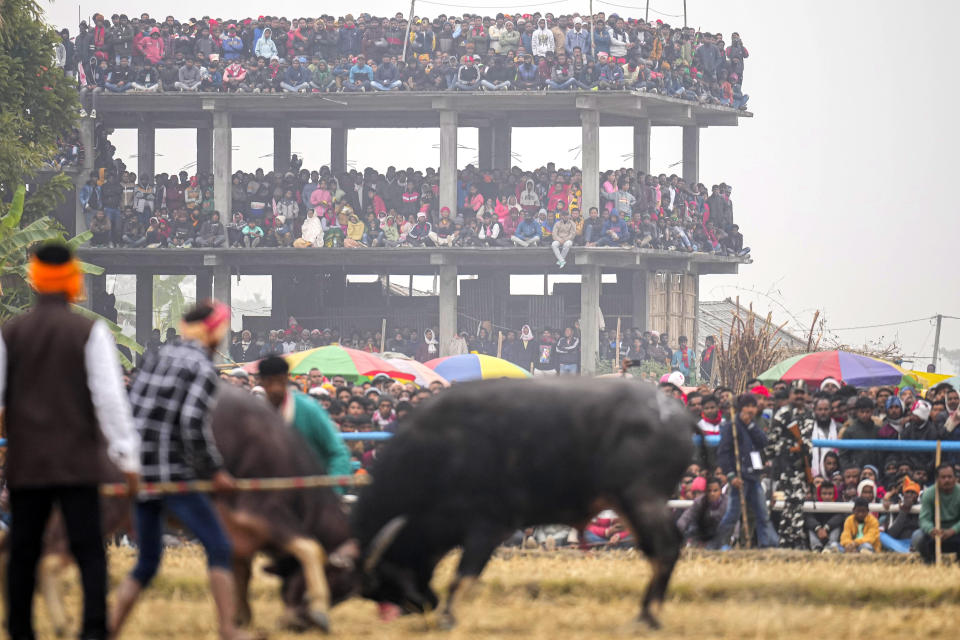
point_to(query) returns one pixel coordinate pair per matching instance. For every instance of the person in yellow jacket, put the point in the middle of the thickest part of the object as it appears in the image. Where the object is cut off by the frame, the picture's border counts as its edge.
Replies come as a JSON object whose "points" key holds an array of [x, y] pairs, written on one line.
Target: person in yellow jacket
{"points": [[861, 531]]}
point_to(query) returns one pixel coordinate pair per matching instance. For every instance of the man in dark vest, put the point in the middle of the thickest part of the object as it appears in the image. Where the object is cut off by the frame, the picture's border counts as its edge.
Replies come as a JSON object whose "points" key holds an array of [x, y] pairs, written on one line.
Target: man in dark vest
{"points": [[65, 408]]}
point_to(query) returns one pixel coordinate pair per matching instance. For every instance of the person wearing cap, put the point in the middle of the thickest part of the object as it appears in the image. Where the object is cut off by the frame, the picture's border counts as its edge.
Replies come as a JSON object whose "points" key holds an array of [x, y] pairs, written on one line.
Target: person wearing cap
{"points": [[360, 76], [919, 426], [304, 414], [172, 397], [751, 442], [577, 37], [861, 531], [238, 378], [791, 459], [419, 234], [528, 77], [55, 448], [901, 530]]}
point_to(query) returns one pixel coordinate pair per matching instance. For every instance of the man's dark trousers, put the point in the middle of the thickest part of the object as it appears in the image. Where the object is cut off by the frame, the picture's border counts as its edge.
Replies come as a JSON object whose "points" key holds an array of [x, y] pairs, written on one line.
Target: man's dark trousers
{"points": [[30, 511]]}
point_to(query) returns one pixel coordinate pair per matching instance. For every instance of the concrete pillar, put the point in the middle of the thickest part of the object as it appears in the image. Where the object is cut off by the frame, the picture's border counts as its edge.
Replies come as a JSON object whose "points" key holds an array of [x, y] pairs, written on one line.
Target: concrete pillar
{"points": [[204, 284], [691, 154], [338, 150], [281, 148], [485, 149], [222, 167], [589, 324], [88, 140], [89, 291], [448, 306], [146, 150], [144, 306], [639, 298], [221, 291], [205, 150], [641, 146], [448, 161], [502, 145], [590, 151]]}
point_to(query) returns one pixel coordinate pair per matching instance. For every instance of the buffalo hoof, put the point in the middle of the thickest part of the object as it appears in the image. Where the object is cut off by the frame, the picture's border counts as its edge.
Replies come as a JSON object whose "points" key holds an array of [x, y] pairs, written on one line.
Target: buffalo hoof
{"points": [[649, 621], [320, 620], [295, 622], [446, 622]]}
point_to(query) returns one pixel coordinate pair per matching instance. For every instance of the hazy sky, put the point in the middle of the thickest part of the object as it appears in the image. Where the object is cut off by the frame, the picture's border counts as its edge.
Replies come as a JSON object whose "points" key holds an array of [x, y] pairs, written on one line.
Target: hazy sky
{"points": [[840, 180]]}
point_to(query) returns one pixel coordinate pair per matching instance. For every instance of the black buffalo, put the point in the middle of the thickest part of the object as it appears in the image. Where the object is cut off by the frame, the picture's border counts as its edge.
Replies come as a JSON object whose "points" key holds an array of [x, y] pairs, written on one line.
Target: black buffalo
{"points": [[484, 459]]}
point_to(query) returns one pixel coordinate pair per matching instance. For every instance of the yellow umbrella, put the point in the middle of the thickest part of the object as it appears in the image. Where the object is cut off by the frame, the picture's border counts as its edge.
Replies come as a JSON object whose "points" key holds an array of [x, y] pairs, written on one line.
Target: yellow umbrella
{"points": [[929, 379]]}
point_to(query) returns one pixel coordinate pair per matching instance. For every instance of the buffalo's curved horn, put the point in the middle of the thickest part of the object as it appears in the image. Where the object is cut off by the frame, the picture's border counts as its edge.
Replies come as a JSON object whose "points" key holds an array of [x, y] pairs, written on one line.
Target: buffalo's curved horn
{"points": [[382, 541]]}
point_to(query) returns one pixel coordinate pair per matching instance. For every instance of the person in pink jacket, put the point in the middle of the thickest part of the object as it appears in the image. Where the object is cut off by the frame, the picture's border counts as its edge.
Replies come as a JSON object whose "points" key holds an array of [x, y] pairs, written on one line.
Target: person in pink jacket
{"points": [[152, 47]]}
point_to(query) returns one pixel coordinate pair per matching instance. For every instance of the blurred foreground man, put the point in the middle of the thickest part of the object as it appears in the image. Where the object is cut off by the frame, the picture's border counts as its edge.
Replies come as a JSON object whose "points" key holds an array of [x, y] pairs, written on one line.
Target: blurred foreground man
{"points": [[56, 447], [949, 516]]}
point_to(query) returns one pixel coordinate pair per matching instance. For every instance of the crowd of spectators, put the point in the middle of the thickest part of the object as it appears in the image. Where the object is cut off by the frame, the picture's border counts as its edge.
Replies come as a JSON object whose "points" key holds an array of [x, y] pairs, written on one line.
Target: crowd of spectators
{"points": [[302, 208], [856, 478], [367, 53]]}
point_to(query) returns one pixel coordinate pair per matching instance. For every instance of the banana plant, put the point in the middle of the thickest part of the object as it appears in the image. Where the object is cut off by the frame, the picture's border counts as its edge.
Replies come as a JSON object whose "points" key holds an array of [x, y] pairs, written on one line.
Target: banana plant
{"points": [[15, 246]]}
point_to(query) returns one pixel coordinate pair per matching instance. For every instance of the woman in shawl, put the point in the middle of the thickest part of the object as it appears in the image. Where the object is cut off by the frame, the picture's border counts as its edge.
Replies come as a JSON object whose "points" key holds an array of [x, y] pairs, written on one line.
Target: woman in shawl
{"points": [[311, 232], [429, 348]]}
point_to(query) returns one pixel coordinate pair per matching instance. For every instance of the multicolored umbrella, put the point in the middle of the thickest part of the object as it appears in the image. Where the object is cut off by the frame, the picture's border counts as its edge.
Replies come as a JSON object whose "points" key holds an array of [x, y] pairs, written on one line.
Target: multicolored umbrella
{"points": [[474, 366], [850, 368], [423, 375], [334, 360]]}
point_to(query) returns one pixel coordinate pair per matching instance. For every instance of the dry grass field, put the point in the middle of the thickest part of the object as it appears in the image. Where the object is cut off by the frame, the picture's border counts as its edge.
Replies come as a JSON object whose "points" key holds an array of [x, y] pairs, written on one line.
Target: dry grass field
{"points": [[565, 594]]}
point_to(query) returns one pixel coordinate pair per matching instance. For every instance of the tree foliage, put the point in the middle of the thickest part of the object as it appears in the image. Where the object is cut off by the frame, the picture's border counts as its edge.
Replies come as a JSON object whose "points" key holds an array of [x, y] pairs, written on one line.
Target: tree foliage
{"points": [[38, 106]]}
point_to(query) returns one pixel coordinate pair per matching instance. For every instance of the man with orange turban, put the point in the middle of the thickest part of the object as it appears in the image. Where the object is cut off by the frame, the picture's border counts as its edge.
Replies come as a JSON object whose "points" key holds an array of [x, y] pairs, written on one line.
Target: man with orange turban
{"points": [[65, 406], [172, 398]]}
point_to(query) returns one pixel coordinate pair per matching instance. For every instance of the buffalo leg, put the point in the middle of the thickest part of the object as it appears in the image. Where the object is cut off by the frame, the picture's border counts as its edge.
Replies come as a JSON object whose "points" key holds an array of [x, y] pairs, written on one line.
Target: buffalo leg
{"points": [[658, 538], [477, 549], [241, 574], [312, 558]]}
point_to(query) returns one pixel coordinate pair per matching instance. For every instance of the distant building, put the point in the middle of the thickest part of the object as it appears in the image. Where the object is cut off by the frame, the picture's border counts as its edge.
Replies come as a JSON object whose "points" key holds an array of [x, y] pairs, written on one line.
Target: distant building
{"points": [[714, 319]]}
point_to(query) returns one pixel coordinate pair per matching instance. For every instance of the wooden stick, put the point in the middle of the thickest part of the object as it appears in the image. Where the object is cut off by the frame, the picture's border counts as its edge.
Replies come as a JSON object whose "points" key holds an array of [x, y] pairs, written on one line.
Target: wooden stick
{"points": [[243, 484], [743, 488], [937, 541], [499, 344], [617, 358], [383, 334]]}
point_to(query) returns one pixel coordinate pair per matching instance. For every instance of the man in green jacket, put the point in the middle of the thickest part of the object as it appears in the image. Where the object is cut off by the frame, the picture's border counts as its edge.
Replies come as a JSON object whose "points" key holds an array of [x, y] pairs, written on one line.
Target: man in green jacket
{"points": [[949, 516], [305, 415]]}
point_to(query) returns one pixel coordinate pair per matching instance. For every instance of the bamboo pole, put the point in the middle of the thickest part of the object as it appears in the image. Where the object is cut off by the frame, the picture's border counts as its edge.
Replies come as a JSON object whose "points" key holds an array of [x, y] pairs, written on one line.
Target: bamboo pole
{"points": [[383, 334], [242, 484], [743, 489], [499, 344], [937, 541], [616, 361]]}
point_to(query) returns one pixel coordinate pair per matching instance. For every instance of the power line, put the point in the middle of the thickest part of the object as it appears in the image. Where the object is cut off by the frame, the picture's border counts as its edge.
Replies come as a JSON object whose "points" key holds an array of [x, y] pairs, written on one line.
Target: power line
{"points": [[884, 324], [626, 6], [496, 6]]}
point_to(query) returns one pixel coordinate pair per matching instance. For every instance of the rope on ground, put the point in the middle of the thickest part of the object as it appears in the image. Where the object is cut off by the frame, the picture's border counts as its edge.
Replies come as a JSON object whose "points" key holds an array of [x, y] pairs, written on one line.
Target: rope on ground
{"points": [[148, 489]]}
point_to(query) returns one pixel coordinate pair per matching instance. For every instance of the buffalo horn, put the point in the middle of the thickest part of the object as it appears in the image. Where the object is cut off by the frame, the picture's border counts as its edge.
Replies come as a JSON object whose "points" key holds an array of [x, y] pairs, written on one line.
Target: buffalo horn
{"points": [[382, 541]]}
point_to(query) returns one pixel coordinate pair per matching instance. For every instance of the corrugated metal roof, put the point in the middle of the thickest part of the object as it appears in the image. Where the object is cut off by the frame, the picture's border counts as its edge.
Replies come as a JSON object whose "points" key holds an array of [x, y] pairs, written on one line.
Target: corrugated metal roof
{"points": [[714, 319]]}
